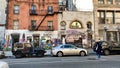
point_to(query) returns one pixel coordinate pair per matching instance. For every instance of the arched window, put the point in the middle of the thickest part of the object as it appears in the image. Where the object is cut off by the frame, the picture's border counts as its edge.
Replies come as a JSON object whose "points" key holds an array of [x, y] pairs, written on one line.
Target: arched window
{"points": [[63, 25], [89, 25], [76, 25]]}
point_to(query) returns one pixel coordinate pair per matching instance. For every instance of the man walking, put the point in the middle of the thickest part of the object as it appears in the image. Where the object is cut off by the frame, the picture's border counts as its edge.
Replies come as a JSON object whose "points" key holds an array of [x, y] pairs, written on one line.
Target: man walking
{"points": [[98, 49]]}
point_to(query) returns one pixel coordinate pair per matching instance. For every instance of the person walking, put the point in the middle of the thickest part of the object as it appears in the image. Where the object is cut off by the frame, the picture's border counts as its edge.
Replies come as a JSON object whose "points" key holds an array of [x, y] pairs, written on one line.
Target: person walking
{"points": [[98, 49]]}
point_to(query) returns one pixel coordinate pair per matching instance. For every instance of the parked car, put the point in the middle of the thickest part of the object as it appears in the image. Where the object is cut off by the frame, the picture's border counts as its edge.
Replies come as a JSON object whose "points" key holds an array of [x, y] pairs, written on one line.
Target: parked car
{"points": [[4, 64], [109, 47], [68, 49], [26, 49]]}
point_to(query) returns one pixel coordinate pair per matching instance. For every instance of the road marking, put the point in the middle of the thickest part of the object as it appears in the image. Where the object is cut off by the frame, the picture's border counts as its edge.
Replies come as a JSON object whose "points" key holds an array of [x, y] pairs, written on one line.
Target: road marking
{"points": [[61, 61]]}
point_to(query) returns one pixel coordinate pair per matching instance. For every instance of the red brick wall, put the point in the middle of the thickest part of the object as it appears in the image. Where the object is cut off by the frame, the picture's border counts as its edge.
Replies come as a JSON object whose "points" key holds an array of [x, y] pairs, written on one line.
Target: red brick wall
{"points": [[25, 18]]}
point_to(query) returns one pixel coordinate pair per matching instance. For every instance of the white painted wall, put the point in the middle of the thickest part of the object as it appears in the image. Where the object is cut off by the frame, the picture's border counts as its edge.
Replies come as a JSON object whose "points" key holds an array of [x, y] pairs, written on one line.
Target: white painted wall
{"points": [[2, 32], [54, 34], [2, 11]]}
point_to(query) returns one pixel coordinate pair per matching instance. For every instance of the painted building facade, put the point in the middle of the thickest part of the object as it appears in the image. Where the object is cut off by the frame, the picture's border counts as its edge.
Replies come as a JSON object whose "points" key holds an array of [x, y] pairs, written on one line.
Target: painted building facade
{"points": [[2, 20], [33, 20], [75, 25], [107, 20]]}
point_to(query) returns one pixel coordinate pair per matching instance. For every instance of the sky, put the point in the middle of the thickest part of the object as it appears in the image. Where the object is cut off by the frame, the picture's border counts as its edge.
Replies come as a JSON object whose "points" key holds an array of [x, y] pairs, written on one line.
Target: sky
{"points": [[84, 5]]}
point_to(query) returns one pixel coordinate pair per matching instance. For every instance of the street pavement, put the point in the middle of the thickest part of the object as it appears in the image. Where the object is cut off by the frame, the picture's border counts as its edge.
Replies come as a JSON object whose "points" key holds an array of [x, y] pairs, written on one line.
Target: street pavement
{"points": [[112, 61], [90, 61]]}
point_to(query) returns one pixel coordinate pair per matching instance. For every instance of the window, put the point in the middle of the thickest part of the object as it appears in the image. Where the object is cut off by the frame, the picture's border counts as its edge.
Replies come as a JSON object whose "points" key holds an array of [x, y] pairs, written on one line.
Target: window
{"points": [[43, 2], [104, 43], [33, 9], [29, 39], [75, 25], [111, 36], [62, 47], [72, 46], [109, 1], [101, 17], [50, 23], [33, 24], [109, 17], [63, 25], [117, 2], [50, 9], [60, 2], [117, 17], [66, 46], [101, 33], [69, 46], [15, 24], [100, 1], [16, 9], [36, 40], [89, 25]]}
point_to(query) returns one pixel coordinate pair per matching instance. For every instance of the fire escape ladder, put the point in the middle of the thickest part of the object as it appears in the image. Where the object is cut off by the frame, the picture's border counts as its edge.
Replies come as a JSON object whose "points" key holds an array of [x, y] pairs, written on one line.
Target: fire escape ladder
{"points": [[41, 21]]}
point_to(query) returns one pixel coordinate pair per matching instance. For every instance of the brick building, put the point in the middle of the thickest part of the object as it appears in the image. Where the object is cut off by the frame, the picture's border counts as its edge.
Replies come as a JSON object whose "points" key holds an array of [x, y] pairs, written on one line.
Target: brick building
{"points": [[35, 19], [107, 20]]}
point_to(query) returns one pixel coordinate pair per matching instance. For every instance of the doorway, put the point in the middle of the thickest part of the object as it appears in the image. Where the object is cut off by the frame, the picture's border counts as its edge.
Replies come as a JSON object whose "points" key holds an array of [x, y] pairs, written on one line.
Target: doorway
{"points": [[15, 38], [36, 40]]}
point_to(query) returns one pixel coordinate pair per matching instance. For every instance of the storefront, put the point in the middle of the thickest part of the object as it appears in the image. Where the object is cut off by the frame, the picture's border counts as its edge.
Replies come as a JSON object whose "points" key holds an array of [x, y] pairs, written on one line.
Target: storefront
{"points": [[74, 37], [36, 38]]}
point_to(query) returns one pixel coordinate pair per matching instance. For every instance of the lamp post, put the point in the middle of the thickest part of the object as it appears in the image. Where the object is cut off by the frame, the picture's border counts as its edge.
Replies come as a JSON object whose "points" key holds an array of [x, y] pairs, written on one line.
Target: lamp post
{"points": [[105, 33]]}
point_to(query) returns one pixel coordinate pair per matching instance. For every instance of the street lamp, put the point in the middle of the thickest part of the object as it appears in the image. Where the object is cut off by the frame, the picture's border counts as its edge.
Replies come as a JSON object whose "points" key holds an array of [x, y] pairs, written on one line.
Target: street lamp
{"points": [[105, 34]]}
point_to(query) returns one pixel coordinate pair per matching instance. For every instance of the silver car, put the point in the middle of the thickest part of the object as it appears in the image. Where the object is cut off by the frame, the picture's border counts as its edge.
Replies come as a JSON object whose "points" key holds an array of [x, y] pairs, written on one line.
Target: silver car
{"points": [[68, 49]]}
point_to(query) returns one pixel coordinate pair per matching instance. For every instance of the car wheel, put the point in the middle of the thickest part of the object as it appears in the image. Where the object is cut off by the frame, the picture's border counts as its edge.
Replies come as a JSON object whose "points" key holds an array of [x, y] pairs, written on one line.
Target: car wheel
{"points": [[82, 53], [59, 54], [106, 52]]}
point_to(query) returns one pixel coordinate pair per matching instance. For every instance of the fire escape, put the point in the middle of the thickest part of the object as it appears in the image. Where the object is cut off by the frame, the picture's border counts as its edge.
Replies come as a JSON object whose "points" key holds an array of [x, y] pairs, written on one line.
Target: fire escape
{"points": [[43, 13]]}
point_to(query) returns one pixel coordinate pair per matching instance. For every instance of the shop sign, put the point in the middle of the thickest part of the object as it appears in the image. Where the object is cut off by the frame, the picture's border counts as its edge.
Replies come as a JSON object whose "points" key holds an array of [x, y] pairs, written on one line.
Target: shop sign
{"points": [[71, 32], [47, 34]]}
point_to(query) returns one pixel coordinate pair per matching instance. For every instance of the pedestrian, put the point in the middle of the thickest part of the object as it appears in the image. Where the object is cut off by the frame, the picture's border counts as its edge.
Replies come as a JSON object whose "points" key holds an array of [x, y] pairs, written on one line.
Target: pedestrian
{"points": [[98, 49]]}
